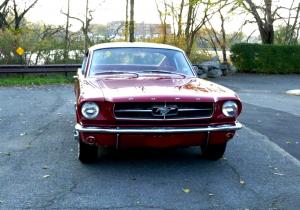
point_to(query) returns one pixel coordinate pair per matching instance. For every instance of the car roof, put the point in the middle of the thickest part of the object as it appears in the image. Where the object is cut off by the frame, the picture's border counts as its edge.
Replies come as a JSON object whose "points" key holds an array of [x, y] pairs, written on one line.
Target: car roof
{"points": [[133, 45]]}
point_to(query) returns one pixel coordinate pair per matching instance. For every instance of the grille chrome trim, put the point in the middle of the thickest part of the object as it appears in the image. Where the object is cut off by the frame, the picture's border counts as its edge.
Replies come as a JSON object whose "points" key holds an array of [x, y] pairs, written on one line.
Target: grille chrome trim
{"points": [[133, 110], [150, 111], [164, 130]]}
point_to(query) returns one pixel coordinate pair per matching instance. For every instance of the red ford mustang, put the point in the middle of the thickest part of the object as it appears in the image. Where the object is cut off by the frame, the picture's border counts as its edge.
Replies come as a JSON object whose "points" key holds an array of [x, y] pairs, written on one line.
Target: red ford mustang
{"points": [[148, 95]]}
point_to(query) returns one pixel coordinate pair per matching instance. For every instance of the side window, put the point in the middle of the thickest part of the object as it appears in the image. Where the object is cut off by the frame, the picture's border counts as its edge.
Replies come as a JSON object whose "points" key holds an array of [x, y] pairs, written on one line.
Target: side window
{"points": [[84, 63]]}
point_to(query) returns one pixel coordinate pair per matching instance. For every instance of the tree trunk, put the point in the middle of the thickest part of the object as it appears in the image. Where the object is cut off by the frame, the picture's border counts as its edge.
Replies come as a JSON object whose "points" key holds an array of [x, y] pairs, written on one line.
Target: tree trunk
{"points": [[163, 20], [85, 30], [179, 33], [66, 52], [131, 23], [267, 34], [265, 25], [126, 21], [188, 21], [223, 44]]}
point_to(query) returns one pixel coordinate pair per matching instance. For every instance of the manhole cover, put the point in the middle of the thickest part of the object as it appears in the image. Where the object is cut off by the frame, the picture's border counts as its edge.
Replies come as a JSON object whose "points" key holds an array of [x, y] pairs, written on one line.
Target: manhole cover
{"points": [[294, 92]]}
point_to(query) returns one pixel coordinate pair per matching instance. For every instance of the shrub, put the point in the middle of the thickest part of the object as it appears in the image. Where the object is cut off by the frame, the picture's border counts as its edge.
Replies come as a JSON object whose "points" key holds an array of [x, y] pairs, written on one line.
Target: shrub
{"points": [[199, 56], [269, 59]]}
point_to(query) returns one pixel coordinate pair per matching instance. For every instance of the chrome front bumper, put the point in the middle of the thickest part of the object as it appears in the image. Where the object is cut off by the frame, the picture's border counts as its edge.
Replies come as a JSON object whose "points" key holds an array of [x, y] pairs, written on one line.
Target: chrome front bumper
{"points": [[142, 130]]}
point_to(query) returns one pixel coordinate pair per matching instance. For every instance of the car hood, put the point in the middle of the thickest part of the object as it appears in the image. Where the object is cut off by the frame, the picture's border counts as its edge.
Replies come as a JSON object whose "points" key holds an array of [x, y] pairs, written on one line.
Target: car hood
{"points": [[154, 89]]}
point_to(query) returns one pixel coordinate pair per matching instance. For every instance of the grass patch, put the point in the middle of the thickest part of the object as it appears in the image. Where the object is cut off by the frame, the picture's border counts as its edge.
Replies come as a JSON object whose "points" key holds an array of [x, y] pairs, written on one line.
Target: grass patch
{"points": [[18, 80]]}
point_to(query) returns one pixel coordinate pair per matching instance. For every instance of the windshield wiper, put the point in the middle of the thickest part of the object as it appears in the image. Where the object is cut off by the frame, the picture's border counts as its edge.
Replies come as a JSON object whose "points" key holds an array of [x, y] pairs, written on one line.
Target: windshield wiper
{"points": [[117, 72], [164, 72]]}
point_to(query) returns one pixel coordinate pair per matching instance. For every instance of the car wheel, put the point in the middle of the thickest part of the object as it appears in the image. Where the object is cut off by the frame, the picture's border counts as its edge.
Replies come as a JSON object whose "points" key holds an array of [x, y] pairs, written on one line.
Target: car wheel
{"points": [[213, 151], [87, 153]]}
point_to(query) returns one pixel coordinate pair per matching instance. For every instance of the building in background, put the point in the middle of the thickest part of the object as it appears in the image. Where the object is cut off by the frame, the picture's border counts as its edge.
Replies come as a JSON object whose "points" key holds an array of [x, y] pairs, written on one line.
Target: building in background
{"points": [[116, 30]]}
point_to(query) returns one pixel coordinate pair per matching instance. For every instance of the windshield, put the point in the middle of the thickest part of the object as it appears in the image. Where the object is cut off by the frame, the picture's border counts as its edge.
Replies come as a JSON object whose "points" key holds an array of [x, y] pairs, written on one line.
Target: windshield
{"points": [[139, 60]]}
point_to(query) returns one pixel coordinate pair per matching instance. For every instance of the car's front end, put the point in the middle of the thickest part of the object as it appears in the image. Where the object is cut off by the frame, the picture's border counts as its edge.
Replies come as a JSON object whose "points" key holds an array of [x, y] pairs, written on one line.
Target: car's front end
{"points": [[152, 108]]}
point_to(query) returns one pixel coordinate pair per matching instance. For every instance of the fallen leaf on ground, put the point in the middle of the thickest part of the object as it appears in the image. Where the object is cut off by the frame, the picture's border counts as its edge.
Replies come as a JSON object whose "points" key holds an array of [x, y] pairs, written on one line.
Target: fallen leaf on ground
{"points": [[186, 190], [242, 182], [46, 176], [23, 134], [279, 174], [1, 201], [288, 142], [7, 153], [45, 167], [210, 194]]}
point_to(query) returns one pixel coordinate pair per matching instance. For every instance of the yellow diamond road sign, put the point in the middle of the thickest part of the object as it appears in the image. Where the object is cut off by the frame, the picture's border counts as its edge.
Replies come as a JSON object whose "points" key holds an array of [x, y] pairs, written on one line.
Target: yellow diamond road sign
{"points": [[20, 51]]}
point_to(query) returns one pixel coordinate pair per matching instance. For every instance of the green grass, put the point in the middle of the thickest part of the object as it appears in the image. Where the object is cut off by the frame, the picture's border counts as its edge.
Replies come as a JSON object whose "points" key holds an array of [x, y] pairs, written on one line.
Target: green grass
{"points": [[28, 80]]}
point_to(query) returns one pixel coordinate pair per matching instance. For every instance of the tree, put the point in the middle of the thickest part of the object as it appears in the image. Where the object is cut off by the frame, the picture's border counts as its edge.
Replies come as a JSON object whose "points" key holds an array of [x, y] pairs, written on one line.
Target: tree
{"points": [[67, 43], [194, 23], [86, 22], [19, 15], [4, 11], [126, 21], [221, 39], [179, 33], [131, 22], [291, 32], [264, 17], [163, 18]]}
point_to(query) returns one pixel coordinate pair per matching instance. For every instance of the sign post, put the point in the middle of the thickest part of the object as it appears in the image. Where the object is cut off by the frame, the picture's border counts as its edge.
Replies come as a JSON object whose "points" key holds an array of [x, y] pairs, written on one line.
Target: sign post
{"points": [[20, 51]]}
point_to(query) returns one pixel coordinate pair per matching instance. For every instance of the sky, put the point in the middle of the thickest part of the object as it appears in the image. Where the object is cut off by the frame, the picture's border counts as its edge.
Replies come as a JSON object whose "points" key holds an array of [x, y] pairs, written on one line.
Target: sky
{"points": [[49, 11]]}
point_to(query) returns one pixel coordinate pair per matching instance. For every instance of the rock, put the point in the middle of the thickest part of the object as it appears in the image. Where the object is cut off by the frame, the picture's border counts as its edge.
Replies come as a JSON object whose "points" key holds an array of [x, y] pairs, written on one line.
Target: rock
{"points": [[213, 73], [232, 70], [224, 68], [204, 69], [215, 59], [203, 76], [210, 64], [214, 68]]}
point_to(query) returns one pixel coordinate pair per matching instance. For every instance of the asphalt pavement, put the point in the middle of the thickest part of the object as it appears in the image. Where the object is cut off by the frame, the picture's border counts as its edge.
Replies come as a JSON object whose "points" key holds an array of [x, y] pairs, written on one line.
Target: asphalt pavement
{"points": [[39, 167], [267, 107]]}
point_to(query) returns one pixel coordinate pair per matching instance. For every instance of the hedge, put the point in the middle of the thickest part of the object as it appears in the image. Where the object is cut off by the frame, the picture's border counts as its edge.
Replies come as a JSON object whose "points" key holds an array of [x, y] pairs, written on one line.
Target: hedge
{"points": [[269, 59]]}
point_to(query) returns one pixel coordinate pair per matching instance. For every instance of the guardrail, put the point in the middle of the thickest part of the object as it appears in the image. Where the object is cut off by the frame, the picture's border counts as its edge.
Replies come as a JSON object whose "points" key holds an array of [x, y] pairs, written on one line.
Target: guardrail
{"points": [[24, 69]]}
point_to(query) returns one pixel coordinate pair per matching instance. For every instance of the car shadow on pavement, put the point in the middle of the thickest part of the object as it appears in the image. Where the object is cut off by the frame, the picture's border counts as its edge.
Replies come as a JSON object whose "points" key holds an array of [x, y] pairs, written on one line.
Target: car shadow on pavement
{"points": [[152, 157]]}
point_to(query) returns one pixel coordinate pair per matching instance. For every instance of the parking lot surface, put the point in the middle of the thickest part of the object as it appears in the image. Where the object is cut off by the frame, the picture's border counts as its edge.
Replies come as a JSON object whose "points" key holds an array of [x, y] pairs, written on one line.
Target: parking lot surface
{"points": [[260, 170]]}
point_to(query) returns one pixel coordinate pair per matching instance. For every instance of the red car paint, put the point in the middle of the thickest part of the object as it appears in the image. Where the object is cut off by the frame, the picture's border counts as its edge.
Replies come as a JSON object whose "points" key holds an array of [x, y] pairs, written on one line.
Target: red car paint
{"points": [[106, 91]]}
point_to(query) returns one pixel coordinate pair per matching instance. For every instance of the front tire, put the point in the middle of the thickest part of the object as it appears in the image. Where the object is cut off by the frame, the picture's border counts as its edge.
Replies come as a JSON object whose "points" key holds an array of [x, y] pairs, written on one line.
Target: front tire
{"points": [[87, 153], [213, 151]]}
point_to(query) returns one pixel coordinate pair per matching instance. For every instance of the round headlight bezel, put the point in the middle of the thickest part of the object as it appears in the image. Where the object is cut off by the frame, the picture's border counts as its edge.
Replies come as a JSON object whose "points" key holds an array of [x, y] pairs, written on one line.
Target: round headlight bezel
{"points": [[230, 109], [87, 110]]}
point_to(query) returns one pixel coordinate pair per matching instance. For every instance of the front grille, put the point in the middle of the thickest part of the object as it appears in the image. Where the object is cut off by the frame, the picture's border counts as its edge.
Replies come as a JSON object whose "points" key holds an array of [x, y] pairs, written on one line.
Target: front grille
{"points": [[163, 111]]}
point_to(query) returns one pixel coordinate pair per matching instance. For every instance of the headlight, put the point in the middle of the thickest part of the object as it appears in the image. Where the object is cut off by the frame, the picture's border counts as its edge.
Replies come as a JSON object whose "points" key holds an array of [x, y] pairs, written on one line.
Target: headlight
{"points": [[90, 110], [230, 109]]}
